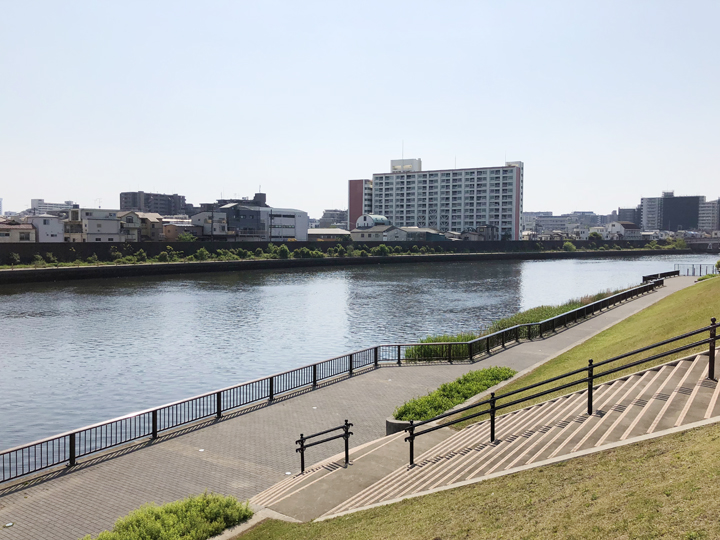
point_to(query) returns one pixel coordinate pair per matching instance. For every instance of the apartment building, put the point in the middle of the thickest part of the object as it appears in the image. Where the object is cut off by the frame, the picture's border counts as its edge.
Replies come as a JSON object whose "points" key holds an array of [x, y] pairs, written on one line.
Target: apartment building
{"points": [[92, 225], [157, 203], [48, 228], [39, 206], [451, 199], [709, 217], [670, 213], [360, 197]]}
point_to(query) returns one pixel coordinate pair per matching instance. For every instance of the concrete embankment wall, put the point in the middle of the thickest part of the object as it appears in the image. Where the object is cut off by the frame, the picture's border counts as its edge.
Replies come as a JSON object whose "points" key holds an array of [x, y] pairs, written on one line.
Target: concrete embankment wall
{"points": [[69, 252], [29, 275]]}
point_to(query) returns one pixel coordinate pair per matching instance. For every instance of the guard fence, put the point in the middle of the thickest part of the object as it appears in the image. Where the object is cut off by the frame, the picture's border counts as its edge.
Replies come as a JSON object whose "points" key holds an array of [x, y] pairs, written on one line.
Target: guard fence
{"points": [[67, 448], [587, 375]]}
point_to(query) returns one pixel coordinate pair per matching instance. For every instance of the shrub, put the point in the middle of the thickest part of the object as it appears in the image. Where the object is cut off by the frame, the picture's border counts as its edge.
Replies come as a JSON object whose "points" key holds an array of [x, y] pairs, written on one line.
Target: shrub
{"points": [[49, 257], [451, 394], [163, 256], [259, 253], [92, 259], [414, 249], [194, 518], [186, 237], [38, 260], [140, 255], [340, 251], [569, 246], [115, 254], [15, 258], [202, 254], [398, 250], [708, 276], [128, 259], [283, 252]]}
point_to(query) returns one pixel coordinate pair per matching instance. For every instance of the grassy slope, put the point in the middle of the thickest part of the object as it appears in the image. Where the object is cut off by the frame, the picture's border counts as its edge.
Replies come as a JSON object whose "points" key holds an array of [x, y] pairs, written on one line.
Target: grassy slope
{"points": [[685, 310], [665, 488]]}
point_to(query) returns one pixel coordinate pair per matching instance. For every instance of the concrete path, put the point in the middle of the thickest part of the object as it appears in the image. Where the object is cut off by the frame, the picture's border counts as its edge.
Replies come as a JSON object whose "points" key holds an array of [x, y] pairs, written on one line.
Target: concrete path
{"points": [[245, 453]]}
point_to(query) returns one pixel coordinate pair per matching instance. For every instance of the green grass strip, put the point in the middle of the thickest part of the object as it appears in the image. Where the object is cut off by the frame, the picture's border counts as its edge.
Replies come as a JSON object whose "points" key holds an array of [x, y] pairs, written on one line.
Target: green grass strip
{"points": [[194, 518], [453, 393]]}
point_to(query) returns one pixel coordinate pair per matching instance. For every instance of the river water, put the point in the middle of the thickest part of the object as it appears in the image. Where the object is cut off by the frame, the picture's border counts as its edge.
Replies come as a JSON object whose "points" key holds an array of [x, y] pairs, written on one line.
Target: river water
{"points": [[76, 353]]}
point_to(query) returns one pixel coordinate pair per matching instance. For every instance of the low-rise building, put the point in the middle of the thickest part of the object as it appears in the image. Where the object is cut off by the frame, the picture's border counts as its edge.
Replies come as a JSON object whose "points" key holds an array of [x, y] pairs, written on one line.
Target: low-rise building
{"points": [[48, 228], [367, 221], [92, 225], [423, 234], [624, 230], [213, 224], [14, 231], [171, 231], [328, 234], [379, 233]]}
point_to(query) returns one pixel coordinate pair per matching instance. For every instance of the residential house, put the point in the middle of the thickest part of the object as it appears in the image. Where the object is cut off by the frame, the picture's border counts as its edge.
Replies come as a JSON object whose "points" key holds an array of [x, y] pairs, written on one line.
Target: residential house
{"points": [[624, 230], [327, 234], [92, 225], [13, 231], [48, 228], [379, 233]]}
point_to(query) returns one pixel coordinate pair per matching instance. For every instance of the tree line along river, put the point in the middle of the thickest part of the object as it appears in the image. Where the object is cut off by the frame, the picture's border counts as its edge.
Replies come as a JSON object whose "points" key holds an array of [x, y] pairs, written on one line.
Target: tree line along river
{"points": [[76, 353]]}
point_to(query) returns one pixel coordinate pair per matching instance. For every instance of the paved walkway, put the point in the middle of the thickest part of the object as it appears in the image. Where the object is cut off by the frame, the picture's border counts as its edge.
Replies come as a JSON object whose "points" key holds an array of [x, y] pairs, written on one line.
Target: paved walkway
{"points": [[243, 454]]}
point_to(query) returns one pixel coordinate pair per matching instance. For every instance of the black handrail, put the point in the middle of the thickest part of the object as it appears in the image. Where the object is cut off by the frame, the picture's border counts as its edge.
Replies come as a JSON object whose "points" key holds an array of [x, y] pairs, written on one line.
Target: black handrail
{"points": [[589, 379], [345, 435], [69, 446], [652, 277]]}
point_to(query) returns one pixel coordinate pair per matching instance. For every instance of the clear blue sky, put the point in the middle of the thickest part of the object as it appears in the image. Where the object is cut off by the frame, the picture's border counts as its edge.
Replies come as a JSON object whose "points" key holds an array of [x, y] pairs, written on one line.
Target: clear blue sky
{"points": [[604, 101]]}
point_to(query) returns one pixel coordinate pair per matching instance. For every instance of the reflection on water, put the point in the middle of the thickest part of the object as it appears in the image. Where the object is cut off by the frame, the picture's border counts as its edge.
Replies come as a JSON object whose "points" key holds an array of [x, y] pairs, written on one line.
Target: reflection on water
{"points": [[77, 353]]}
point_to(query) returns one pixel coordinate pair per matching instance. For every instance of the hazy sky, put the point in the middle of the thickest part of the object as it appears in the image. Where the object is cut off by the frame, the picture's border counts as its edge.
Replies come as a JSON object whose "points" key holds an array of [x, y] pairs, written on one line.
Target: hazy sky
{"points": [[604, 101]]}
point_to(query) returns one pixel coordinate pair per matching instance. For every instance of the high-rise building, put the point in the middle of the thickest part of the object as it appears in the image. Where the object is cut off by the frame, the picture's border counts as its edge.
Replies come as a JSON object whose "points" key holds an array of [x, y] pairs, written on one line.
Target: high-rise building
{"points": [[359, 200], [709, 218], [157, 203], [451, 199], [333, 217], [631, 215], [670, 213]]}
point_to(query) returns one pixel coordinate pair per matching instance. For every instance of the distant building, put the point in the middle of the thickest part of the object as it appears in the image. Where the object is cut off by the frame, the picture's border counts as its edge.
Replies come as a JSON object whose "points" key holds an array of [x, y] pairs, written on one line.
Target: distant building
{"points": [[48, 228], [527, 219], [379, 233], [92, 225], [158, 203], [370, 220], [451, 199], [213, 224], [39, 206], [709, 216], [330, 218], [631, 215], [172, 231], [359, 200], [623, 230], [327, 234], [12, 232], [670, 213]]}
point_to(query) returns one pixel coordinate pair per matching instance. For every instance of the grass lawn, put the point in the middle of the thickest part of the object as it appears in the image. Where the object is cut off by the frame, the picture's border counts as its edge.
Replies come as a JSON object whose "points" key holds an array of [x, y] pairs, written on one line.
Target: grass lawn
{"points": [[664, 488]]}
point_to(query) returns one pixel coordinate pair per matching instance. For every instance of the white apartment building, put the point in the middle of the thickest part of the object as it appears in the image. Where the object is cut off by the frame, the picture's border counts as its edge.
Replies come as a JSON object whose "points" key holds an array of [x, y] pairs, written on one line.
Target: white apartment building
{"points": [[709, 216], [39, 206], [47, 228], [451, 199], [92, 225], [214, 224]]}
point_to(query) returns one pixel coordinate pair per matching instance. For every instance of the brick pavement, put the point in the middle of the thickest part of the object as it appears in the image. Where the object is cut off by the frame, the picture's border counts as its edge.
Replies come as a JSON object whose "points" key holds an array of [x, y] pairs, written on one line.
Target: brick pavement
{"points": [[245, 453]]}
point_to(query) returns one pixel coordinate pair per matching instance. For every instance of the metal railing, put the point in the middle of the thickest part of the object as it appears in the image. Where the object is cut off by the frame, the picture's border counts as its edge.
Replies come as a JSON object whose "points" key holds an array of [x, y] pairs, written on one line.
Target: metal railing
{"points": [[591, 375], [344, 435], [661, 275], [69, 446], [695, 269]]}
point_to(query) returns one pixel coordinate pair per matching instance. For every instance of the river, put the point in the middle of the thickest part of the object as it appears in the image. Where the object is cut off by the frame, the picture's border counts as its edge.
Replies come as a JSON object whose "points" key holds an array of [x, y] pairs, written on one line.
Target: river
{"points": [[76, 353]]}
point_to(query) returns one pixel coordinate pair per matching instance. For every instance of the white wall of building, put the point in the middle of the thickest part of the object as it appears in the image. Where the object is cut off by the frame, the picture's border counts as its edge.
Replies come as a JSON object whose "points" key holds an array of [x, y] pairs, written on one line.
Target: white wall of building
{"points": [[48, 228]]}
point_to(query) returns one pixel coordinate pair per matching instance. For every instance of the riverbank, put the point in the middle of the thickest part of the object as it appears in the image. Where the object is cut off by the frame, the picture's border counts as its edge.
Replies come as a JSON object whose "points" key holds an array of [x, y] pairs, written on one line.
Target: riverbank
{"points": [[69, 273]]}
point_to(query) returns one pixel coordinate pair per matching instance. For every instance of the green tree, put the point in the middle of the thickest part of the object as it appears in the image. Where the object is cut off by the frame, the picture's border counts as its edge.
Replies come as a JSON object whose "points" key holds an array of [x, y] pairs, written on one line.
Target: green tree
{"points": [[569, 246], [14, 258], [202, 254], [186, 237], [283, 252], [595, 236]]}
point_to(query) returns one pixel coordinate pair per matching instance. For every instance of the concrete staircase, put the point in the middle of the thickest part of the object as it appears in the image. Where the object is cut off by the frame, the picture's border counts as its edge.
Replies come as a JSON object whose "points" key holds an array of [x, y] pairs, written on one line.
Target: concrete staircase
{"points": [[650, 401]]}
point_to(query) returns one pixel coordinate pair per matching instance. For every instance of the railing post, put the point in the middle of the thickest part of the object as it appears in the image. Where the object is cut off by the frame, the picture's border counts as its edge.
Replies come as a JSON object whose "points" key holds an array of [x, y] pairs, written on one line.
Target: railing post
{"points": [[71, 462], [711, 351], [411, 439], [314, 376], [376, 356], [487, 344], [271, 394], [553, 329], [350, 365], [590, 387], [218, 405], [346, 427], [492, 417], [517, 334], [154, 424], [540, 330], [502, 335], [470, 353], [302, 452], [449, 354], [399, 363]]}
